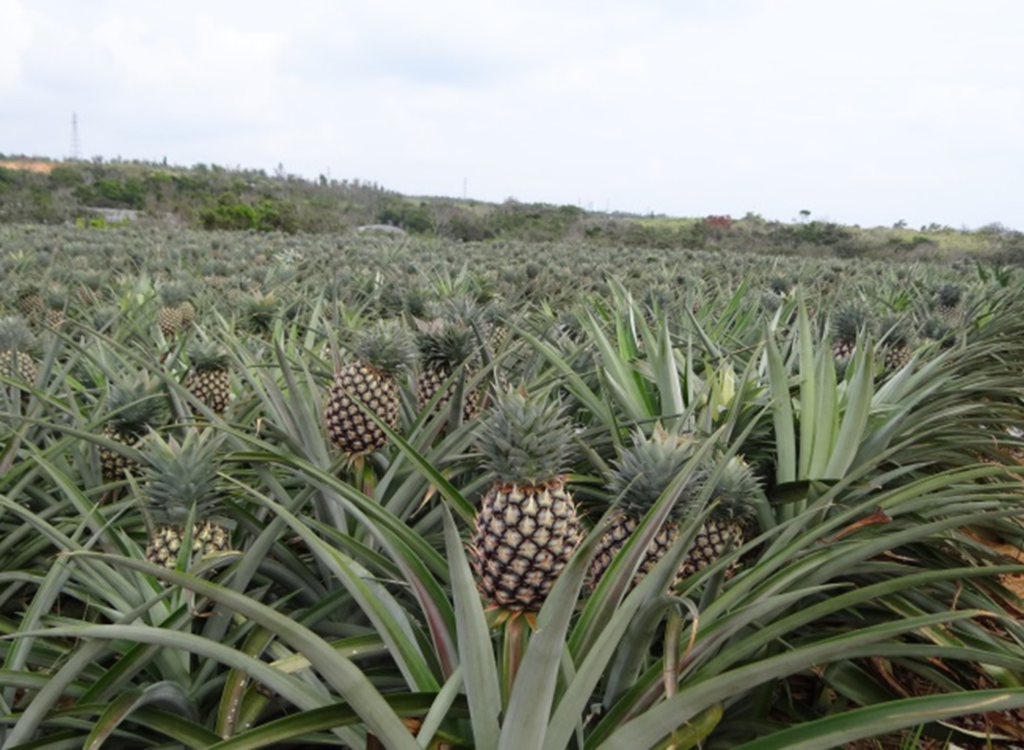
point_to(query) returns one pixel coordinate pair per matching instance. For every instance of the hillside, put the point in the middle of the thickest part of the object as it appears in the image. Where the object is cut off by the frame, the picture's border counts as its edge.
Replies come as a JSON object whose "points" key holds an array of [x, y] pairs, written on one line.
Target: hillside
{"points": [[44, 191]]}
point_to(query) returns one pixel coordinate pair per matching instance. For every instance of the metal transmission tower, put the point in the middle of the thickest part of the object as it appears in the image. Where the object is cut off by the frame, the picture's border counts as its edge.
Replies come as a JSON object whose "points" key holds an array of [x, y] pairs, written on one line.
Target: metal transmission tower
{"points": [[76, 144]]}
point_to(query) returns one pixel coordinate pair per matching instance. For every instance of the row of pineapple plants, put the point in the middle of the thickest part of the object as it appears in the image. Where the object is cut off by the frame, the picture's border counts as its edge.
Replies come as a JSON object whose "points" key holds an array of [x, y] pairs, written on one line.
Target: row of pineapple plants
{"points": [[564, 469]]}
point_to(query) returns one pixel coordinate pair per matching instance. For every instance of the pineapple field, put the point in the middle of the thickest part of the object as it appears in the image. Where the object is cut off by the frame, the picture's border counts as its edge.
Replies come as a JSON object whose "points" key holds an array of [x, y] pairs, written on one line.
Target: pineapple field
{"points": [[377, 491]]}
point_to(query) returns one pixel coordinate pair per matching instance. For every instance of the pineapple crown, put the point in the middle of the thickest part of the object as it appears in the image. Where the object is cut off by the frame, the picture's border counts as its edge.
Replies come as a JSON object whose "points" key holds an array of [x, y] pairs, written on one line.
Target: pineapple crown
{"points": [[444, 345], [386, 346], [936, 329], [56, 298], [896, 330], [181, 475], [463, 308], [15, 335], [646, 469], [771, 301], [948, 295], [849, 320], [260, 311], [27, 290], [476, 315], [103, 317], [736, 491], [136, 407], [172, 295], [207, 355], [780, 285], [525, 439], [417, 301]]}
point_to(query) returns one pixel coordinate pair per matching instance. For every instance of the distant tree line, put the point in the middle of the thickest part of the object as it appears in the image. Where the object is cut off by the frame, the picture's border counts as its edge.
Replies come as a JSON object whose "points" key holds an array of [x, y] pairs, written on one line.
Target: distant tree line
{"points": [[217, 198]]}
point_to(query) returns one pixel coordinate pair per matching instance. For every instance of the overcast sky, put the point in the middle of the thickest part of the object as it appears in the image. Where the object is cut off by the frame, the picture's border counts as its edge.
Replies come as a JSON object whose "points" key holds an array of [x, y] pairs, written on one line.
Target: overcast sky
{"points": [[866, 112]]}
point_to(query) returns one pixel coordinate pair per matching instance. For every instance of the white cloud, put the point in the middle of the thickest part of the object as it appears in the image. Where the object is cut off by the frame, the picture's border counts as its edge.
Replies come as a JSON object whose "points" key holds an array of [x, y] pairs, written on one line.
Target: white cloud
{"points": [[16, 22], [870, 112]]}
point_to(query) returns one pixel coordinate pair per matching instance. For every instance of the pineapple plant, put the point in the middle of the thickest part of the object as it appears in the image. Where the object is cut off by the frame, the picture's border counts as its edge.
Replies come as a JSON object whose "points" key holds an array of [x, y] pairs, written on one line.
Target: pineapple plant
{"points": [[898, 348], [946, 303], [640, 476], [258, 313], [180, 482], [16, 344], [136, 409], [56, 305], [187, 311], [444, 347], [368, 383], [733, 500], [527, 526], [938, 330], [30, 302], [169, 316], [781, 286], [848, 322], [208, 378]]}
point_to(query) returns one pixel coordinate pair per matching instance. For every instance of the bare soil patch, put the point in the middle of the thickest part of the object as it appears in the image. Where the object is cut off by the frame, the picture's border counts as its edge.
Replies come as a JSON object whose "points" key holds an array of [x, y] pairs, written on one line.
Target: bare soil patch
{"points": [[25, 165]]}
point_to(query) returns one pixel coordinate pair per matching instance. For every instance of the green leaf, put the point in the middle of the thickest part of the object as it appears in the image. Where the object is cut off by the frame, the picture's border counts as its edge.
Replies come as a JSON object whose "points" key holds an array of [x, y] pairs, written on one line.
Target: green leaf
{"points": [[782, 415], [873, 721], [483, 690], [656, 723], [857, 411], [340, 672], [529, 708], [164, 693]]}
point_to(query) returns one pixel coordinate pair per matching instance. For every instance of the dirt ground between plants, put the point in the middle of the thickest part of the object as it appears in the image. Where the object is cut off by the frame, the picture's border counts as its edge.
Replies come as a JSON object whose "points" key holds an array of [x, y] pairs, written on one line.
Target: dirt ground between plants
{"points": [[903, 741], [1014, 554]]}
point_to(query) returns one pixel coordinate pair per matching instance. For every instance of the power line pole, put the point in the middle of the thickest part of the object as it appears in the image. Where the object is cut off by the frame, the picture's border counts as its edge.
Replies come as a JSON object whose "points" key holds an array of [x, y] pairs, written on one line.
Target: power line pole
{"points": [[76, 144]]}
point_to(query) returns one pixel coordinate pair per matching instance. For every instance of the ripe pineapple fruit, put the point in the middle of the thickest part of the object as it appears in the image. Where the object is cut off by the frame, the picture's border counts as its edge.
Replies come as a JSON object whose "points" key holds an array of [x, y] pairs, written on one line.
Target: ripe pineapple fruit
{"points": [[641, 475], [180, 482], [527, 527], [368, 383], [444, 347], [733, 503], [848, 322], [136, 408], [208, 378]]}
